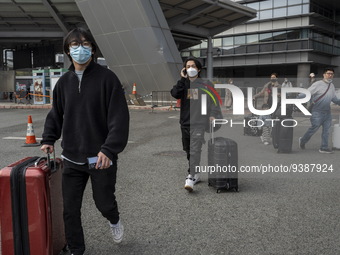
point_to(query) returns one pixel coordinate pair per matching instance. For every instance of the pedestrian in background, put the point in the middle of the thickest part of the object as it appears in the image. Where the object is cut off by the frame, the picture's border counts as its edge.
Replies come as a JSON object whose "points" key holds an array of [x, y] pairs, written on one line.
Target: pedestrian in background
{"points": [[267, 90], [323, 93], [266, 127], [193, 124]]}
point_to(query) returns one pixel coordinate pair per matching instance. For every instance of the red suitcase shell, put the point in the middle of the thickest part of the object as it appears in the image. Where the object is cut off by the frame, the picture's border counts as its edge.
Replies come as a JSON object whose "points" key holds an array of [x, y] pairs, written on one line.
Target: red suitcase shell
{"points": [[40, 229]]}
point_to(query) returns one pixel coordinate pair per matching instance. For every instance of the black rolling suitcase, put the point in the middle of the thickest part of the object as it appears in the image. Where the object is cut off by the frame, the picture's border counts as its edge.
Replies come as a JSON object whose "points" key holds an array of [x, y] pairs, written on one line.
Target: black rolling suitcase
{"points": [[282, 137], [223, 163], [252, 129]]}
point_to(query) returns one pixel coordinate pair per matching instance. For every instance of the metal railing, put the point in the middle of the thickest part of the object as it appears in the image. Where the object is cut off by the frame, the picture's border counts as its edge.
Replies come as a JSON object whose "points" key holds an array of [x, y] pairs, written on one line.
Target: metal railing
{"points": [[162, 98]]}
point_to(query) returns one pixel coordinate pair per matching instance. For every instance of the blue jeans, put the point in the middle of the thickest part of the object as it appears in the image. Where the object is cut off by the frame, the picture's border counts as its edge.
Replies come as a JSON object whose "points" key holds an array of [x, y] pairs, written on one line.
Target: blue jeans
{"points": [[317, 120]]}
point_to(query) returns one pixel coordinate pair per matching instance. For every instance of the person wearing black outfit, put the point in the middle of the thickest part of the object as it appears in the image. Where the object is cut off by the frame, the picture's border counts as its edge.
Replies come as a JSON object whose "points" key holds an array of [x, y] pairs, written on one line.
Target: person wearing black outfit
{"points": [[90, 112], [193, 124]]}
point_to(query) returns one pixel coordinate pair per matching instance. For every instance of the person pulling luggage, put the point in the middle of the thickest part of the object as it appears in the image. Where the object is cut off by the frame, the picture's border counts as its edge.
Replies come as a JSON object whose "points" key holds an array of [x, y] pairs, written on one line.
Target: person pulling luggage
{"points": [[193, 124], [90, 112]]}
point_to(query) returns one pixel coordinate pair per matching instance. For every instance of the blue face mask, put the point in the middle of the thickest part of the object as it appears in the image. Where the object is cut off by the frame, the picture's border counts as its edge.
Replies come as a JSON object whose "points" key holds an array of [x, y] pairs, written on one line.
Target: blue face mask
{"points": [[81, 55]]}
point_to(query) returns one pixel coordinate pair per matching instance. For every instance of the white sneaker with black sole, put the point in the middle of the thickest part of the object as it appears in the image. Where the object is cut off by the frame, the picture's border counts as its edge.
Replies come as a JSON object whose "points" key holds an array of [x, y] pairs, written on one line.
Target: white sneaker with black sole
{"points": [[117, 231], [189, 183]]}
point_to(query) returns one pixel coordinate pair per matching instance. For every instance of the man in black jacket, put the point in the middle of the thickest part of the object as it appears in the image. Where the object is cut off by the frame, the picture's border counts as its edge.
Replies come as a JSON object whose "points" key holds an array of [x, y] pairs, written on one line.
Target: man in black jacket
{"points": [[90, 112], [193, 123]]}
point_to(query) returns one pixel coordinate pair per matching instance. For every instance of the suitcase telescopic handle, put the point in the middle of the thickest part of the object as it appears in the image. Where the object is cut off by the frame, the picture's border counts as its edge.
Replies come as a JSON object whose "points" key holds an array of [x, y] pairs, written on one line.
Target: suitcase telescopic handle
{"points": [[49, 162], [48, 158]]}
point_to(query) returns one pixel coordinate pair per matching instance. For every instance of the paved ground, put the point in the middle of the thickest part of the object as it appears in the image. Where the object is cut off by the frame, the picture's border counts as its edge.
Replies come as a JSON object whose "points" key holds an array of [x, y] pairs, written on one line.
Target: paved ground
{"points": [[272, 214]]}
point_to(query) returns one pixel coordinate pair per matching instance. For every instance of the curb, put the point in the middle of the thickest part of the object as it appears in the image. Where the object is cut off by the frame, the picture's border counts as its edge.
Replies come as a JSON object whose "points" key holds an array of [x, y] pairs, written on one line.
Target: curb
{"points": [[49, 106]]}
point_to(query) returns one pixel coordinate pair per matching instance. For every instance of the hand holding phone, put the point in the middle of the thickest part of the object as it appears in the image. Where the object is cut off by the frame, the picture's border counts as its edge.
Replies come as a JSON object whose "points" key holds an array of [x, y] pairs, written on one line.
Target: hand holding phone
{"points": [[184, 73], [99, 162]]}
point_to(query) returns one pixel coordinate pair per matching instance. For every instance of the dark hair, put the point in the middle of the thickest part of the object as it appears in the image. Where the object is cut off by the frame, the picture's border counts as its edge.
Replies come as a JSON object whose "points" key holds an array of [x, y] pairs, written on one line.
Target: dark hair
{"points": [[328, 69], [197, 62], [274, 74], [78, 34]]}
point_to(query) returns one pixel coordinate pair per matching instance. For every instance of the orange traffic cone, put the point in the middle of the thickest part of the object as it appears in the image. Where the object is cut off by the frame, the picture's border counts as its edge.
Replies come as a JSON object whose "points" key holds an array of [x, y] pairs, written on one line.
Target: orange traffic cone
{"points": [[30, 136], [134, 90]]}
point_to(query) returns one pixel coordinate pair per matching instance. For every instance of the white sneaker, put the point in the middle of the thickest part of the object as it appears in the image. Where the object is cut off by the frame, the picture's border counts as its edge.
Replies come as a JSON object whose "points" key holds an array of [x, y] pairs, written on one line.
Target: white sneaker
{"points": [[189, 183], [117, 231], [261, 137], [196, 178]]}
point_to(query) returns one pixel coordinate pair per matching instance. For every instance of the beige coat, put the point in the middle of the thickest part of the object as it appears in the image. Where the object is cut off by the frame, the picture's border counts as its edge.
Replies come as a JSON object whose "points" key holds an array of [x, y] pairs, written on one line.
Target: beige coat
{"points": [[264, 91]]}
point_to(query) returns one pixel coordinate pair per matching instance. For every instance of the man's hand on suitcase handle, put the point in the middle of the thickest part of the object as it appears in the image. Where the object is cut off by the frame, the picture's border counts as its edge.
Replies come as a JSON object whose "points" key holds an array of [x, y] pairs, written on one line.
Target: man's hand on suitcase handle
{"points": [[47, 148]]}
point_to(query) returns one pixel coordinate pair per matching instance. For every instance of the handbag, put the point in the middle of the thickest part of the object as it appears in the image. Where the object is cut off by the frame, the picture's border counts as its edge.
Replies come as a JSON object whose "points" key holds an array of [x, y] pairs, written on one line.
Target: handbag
{"points": [[310, 107]]}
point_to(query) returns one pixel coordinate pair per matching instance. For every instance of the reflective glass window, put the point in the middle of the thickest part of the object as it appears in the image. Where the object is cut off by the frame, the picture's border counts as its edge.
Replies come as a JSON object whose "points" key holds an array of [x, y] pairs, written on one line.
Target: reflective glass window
{"points": [[240, 49], [227, 41], [252, 48], [185, 53], [266, 4], [280, 12], [280, 36], [294, 10], [268, 14], [266, 47], [280, 3], [266, 37], [317, 36], [252, 38], [304, 44], [239, 40], [337, 43], [196, 53], [217, 42], [293, 35], [279, 46], [305, 8], [305, 33], [204, 45], [255, 5], [228, 50], [292, 2], [195, 47], [294, 45]]}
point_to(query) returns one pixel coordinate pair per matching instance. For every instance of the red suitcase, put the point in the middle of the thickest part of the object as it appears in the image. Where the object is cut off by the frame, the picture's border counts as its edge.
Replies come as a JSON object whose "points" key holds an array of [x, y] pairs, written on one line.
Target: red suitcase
{"points": [[31, 207]]}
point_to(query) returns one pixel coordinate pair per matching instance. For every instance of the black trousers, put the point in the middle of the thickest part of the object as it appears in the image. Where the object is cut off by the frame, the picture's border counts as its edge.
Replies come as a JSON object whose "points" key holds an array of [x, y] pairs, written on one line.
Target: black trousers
{"points": [[192, 140], [74, 181]]}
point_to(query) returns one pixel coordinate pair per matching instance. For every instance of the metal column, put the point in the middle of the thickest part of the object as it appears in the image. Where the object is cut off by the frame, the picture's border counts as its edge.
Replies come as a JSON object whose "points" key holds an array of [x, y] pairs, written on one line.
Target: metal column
{"points": [[210, 71]]}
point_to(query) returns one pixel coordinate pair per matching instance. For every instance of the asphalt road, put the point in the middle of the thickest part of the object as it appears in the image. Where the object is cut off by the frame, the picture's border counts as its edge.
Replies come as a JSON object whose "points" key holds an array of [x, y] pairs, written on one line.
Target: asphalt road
{"points": [[277, 213]]}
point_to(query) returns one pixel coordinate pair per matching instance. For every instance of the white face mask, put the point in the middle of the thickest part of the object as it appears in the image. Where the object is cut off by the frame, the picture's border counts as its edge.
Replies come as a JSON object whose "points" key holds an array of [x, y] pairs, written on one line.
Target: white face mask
{"points": [[329, 80], [192, 72]]}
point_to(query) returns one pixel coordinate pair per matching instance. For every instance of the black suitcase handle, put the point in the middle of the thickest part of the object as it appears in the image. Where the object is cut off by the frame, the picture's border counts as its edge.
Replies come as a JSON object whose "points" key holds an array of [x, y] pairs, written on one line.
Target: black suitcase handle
{"points": [[49, 162]]}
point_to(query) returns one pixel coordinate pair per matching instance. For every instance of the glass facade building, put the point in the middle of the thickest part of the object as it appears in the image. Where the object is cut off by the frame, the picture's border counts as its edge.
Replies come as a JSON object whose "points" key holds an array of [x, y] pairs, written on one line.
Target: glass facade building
{"points": [[289, 37]]}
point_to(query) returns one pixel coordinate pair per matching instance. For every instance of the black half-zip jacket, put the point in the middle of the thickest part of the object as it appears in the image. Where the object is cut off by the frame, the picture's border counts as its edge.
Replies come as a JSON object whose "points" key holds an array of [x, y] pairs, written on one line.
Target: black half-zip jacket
{"points": [[190, 115], [92, 115]]}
